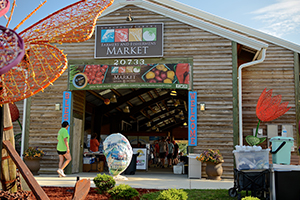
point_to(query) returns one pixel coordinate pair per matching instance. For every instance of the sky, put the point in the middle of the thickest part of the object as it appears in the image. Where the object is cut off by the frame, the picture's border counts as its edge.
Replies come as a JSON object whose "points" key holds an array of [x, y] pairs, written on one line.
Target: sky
{"points": [[280, 18]]}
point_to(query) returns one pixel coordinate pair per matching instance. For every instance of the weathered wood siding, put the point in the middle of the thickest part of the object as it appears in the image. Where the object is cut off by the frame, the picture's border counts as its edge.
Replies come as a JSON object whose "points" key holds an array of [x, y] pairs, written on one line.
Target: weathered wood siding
{"points": [[78, 103], [45, 122], [277, 73]]}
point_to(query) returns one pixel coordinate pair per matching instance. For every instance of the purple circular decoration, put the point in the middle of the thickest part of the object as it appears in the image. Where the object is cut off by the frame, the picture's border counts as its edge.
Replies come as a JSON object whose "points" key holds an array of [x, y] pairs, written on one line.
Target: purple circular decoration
{"points": [[11, 49]]}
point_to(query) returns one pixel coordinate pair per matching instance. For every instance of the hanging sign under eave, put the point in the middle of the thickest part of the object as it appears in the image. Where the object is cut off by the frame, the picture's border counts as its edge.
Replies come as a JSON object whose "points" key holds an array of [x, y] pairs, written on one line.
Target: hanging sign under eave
{"points": [[129, 40]]}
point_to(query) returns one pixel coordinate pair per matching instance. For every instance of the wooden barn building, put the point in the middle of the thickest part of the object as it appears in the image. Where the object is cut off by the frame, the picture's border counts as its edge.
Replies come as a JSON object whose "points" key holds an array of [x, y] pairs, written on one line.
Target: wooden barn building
{"points": [[227, 66]]}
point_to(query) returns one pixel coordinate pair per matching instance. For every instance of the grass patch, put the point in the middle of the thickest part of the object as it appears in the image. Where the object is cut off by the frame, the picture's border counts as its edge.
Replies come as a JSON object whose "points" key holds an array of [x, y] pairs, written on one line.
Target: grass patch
{"points": [[199, 194]]}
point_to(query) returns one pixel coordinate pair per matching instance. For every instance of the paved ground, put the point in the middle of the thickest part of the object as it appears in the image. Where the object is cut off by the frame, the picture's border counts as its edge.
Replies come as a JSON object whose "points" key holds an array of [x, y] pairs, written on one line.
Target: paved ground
{"points": [[141, 180]]}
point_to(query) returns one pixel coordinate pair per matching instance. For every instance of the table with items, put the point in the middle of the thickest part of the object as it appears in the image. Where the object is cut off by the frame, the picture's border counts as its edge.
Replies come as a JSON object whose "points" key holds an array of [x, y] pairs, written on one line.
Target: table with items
{"points": [[93, 162]]}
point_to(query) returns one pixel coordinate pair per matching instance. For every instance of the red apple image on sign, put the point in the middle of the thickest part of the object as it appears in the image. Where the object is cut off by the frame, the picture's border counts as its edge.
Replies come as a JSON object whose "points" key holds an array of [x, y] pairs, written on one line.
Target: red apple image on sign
{"points": [[121, 35]]}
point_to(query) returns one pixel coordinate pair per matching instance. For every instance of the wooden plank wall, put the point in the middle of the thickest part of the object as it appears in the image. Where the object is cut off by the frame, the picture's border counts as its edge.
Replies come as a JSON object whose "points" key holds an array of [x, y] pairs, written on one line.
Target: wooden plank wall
{"points": [[277, 73], [45, 122], [79, 103]]}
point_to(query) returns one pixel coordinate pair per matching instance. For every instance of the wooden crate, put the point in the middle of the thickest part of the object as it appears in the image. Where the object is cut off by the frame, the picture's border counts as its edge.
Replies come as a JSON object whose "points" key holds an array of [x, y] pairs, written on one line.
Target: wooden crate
{"points": [[93, 167]]}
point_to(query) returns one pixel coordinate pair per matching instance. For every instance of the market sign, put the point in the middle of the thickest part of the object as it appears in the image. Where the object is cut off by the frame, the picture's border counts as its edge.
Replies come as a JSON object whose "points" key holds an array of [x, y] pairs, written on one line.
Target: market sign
{"points": [[192, 130], [129, 40], [131, 73], [141, 160]]}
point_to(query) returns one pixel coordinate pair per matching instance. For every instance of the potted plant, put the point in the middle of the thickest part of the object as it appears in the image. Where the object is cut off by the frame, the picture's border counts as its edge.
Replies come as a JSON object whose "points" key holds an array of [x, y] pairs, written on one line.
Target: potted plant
{"points": [[32, 157], [213, 160]]}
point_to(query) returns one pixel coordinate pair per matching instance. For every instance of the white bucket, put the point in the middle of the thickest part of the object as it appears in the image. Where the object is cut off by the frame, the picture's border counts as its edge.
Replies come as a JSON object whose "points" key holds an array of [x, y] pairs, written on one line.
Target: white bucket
{"points": [[177, 169]]}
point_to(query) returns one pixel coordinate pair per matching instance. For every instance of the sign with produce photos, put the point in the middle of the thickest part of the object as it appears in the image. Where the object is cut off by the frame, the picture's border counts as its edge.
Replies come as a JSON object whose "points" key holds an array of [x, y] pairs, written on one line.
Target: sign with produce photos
{"points": [[129, 40], [141, 160], [170, 73]]}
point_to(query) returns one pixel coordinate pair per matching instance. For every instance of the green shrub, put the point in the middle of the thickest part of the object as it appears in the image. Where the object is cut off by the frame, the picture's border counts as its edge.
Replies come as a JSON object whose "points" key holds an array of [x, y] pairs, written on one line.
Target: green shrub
{"points": [[173, 194], [123, 191], [103, 183], [250, 198]]}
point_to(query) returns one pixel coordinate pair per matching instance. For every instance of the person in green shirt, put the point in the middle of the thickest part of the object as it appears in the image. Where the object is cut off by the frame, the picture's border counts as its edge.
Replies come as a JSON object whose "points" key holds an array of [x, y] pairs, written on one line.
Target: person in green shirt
{"points": [[63, 149]]}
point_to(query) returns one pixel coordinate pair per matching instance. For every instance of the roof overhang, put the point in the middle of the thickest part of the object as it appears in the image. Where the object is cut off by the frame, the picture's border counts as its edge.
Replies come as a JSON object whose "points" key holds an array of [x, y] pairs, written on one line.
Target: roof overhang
{"points": [[177, 13], [229, 24]]}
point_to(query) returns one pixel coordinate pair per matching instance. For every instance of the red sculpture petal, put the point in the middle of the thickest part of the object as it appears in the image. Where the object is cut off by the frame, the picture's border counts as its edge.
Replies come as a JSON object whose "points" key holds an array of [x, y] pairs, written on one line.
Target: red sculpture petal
{"points": [[14, 112], [269, 108]]}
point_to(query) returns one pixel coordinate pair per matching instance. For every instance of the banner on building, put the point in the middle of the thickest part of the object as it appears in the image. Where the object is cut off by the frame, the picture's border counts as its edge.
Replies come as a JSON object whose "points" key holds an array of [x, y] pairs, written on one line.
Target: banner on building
{"points": [[66, 107], [132, 73], [192, 130], [129, 40]]}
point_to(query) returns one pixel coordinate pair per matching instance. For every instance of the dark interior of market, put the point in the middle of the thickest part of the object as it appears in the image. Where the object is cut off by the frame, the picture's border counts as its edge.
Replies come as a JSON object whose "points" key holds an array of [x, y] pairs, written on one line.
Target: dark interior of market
{"points": [[138, 113]]}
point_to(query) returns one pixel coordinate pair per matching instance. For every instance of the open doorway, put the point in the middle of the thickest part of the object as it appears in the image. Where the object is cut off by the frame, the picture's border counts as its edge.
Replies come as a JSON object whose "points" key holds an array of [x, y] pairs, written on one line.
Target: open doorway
{"points": [[142, 115]]}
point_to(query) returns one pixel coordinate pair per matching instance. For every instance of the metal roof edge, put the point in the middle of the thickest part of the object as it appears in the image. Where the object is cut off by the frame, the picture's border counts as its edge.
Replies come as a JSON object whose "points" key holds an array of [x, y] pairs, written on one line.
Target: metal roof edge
{"points": [[229, 24], [255, 44]]}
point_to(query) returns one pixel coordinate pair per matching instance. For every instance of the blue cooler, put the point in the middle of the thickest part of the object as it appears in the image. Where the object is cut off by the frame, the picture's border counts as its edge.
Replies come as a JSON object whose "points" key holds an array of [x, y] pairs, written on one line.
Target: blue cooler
{"points": [[281, 149]]}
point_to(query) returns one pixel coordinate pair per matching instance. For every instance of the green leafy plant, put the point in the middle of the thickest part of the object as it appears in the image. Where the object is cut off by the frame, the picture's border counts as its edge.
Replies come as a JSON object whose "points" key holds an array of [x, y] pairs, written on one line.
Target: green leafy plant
{"points": [[173, 194], [199, 194], [104, 183], [123, 191], [250, 198], [32, 152], [210, 155]]}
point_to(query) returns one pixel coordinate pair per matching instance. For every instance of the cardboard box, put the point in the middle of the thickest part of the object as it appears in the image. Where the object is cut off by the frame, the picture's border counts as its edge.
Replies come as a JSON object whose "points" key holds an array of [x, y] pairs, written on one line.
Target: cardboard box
{"points": [[93, 167], [86, 167]]}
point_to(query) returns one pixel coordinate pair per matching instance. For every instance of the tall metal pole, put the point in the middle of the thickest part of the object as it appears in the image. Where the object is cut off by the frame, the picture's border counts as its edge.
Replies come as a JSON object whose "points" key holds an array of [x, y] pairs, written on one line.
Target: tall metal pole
{"points": [[23, 127]]}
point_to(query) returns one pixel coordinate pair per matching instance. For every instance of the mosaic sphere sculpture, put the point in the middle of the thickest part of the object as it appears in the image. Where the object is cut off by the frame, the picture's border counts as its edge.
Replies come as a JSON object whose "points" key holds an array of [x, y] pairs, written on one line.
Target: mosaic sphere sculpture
{"points": [[118, 153]]}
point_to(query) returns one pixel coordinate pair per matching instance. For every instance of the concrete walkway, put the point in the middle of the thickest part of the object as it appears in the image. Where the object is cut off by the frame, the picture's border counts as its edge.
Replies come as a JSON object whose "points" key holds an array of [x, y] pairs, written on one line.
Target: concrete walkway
{"points": [[141, 180]]}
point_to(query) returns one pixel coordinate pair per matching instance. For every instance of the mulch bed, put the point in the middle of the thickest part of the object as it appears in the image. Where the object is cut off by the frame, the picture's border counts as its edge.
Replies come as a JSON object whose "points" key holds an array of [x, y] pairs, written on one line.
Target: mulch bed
{"points": [[60, 193]]}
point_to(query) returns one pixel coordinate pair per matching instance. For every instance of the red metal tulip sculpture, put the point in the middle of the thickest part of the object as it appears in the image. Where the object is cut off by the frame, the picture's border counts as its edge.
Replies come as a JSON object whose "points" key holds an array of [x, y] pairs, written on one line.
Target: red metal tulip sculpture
{"points": [[14, 113], [268, 108]]}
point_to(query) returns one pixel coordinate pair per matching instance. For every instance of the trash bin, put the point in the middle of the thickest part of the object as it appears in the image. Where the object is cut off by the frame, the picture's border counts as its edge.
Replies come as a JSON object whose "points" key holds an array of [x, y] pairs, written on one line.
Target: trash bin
{"points": [[281, 149], [132, 166], [284, 178]]}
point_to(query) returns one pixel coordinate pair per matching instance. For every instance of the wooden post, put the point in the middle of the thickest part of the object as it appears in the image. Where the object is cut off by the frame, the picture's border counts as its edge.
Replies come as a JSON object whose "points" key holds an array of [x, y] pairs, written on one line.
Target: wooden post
{"points": [[8, 167], [38, 192], [1, 134]]}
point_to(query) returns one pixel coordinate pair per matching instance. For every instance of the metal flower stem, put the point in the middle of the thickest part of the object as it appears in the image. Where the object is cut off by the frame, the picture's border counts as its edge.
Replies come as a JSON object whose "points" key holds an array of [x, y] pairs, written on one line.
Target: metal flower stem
{"points": [[256, 131], [19, 123]]}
